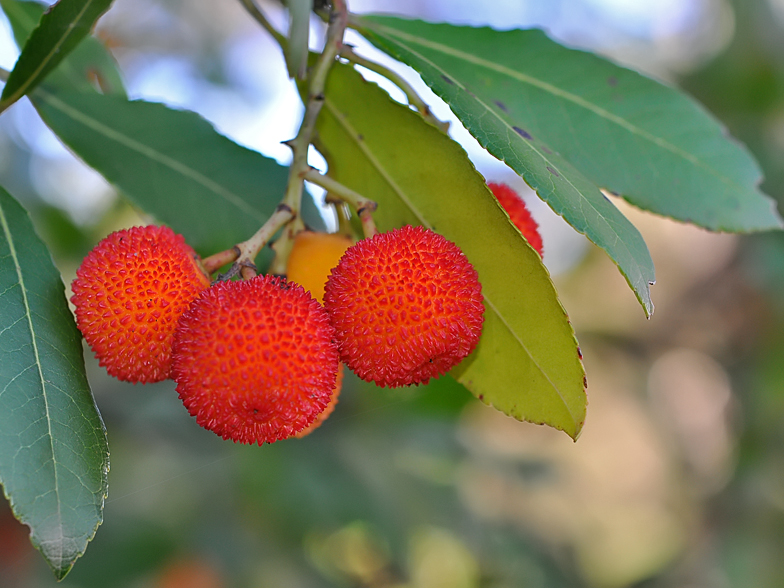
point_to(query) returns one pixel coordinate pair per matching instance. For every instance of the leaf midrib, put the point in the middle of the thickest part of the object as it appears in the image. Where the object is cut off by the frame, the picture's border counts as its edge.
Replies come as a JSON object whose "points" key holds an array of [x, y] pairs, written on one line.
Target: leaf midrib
{"points": [[34, 342], [547, 87], [151, 153], [362, 145]]}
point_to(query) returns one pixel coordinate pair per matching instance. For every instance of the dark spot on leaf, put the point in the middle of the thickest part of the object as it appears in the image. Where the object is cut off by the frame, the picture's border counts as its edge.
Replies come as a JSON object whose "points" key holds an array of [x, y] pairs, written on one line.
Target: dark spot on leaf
{"points": [[552, 171], [501, 105], [612, 81], [585, 382], [546, 150], [522, 133], [579, 352], [447, 79], [361, 137], [481, 397], [605, 196]]}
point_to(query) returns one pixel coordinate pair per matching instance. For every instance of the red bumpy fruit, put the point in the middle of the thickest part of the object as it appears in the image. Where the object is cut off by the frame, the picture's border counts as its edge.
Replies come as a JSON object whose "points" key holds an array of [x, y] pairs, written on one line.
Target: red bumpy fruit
{"points": [[255, 360], [519, 214], [129, 293], [406, 306]]}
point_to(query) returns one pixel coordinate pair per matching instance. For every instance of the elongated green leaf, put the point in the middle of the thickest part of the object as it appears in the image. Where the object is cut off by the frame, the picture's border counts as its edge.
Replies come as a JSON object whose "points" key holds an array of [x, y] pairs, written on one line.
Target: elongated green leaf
{"points": [[172, 164], [627, 133], [59, 32], [54, 458], [526, 363], [296, 50], [568, 192], [89, 63]]}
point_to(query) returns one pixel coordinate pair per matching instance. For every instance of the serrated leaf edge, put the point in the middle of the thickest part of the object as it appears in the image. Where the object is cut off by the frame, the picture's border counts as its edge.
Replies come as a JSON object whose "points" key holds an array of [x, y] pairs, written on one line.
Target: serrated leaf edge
{"points": [[34, 343], [579, 101], [355, 137], [644, 295]]}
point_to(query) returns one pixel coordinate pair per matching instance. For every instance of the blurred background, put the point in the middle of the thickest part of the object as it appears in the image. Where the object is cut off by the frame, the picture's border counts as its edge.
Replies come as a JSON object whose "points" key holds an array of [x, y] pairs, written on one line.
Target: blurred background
{"points": [[678, 477]]}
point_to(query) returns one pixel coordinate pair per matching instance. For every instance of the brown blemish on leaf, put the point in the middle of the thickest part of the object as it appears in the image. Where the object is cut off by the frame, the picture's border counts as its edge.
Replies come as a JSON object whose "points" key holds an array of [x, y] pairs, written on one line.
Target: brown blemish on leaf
{"points": [[552, 171], [501, 105], [523, 133]]}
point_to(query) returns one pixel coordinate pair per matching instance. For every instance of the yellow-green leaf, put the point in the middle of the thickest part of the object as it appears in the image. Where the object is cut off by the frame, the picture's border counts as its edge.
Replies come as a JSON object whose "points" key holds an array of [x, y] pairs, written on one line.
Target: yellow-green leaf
{"points": [[527, 362]]}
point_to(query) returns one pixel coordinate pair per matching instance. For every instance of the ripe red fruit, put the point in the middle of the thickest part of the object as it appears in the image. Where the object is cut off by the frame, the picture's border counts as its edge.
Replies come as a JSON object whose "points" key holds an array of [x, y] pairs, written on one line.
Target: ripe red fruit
{"points": [[129, 292], [406, 306], [519, 214], [255, 360]]}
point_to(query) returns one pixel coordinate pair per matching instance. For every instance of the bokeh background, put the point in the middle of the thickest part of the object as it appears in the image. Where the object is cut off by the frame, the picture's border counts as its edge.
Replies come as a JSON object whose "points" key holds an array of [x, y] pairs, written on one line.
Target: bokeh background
{"points": [[678, 477]]}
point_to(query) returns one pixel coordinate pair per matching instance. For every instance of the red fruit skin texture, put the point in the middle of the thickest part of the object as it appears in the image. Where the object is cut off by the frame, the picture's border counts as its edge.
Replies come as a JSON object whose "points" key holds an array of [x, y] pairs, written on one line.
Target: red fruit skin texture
{"points": [[519, 214], [129, 293], [255, 361], [406, 306]]}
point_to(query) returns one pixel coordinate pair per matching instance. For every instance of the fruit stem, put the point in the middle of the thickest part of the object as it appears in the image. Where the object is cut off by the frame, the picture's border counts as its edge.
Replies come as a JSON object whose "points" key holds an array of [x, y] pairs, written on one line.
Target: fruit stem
{"points": [[248, 250], [364, 206], [217, 260], [315, 100], [317, 78], [347, 52], [257, 14]]}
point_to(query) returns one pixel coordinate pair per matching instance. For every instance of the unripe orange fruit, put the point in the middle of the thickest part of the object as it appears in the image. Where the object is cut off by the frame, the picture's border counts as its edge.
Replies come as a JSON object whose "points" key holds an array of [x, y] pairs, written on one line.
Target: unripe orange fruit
{"points": [[255, 360], [406, 306], [311, 258], [322, 416], [519, 214], [129, 292]]}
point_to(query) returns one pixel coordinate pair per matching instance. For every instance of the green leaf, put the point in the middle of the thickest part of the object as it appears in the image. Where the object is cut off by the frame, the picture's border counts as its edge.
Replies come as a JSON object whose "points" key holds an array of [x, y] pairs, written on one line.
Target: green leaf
{"points": [[627, 133], [172, 164], [296, 49], [527, 362], [60, 30], [89, 63], [568, 192], [54, 457]]}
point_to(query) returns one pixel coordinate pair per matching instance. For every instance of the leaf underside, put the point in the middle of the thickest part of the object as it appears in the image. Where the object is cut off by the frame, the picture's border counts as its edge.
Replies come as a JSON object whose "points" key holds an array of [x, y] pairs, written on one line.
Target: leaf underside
{"points": [[54, 457], [568, 191], [526, 363], [636, 137]]}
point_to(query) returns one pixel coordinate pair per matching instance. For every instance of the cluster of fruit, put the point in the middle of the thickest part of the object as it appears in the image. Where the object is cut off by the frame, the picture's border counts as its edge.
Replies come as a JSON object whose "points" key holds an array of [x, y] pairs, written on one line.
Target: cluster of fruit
{"points": [[260, 360]]}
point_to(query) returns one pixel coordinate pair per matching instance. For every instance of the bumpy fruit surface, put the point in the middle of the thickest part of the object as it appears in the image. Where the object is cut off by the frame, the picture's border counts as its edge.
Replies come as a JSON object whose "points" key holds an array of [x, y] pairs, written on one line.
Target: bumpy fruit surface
{"points": [[255, 361], [519, 214], [312, 257], [406, 306], [129, 292]]}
